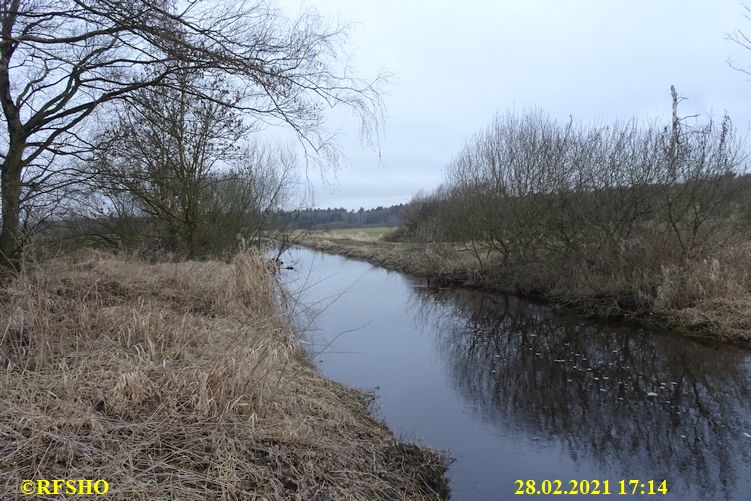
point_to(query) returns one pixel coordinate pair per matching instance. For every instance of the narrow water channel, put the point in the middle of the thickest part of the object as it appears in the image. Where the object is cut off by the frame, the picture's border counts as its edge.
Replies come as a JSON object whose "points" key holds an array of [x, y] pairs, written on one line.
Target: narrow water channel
{"points": [[514, 391]]}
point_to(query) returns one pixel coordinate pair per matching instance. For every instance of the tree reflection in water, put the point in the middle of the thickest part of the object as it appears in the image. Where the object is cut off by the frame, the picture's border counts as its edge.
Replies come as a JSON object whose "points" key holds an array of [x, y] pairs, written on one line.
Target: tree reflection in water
{"points": [[633, 404]]}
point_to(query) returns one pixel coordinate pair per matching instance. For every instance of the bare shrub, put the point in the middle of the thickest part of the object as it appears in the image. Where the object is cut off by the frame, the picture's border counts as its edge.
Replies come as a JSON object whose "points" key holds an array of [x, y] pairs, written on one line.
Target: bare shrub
{"points": [[607, 216]]}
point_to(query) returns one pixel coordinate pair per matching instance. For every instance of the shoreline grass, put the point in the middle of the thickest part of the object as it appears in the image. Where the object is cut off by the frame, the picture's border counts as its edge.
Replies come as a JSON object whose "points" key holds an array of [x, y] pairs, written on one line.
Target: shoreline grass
{"points": [[183, 381], [711, 308]]}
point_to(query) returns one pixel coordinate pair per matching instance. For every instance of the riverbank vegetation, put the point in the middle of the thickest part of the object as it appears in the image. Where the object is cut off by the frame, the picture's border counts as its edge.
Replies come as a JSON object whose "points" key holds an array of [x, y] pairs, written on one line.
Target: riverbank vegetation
{"points": [[183, 380], [624, 220], [164, 362], [362, 234]]}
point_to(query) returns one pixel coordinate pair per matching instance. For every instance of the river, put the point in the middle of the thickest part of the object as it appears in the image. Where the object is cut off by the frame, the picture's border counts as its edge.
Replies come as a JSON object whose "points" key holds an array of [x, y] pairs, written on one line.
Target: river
{"points": [[514, 391]]}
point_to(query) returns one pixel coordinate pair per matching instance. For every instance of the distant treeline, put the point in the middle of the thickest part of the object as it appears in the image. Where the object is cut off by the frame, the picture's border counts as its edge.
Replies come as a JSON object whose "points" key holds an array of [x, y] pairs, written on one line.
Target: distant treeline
{"points": [[312, 219], [146, 231]]}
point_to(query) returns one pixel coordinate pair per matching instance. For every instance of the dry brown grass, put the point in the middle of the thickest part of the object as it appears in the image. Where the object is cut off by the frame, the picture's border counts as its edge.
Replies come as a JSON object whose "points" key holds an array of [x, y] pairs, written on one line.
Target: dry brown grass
{"points": [[416, 258], [712, 294], [708, 297], [367, 234], [182, 381]]}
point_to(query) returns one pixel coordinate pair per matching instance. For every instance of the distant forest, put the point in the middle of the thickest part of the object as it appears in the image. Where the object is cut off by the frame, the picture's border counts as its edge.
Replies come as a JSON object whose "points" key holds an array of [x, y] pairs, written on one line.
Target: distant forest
{"points": [[314, 219]]}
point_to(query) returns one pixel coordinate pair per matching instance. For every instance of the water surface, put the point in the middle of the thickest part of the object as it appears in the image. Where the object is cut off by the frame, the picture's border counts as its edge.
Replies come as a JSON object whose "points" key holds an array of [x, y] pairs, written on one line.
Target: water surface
{"points": [[515, 391]]}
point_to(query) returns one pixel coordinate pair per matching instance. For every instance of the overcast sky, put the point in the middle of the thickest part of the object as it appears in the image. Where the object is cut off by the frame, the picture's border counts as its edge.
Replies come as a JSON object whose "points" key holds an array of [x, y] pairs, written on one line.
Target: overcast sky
{"points": [[455, 64]]}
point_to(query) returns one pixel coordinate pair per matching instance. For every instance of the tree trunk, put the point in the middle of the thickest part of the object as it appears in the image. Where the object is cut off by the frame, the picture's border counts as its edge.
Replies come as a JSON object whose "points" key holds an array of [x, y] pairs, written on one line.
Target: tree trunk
{"points": [[12, 166], [191, 242], [10, 237]]}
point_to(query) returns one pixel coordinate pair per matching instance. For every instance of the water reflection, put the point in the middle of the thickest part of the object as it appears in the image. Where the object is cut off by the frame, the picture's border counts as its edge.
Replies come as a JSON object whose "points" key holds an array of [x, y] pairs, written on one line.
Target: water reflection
{"points": [[514, 391], [633, 404]]}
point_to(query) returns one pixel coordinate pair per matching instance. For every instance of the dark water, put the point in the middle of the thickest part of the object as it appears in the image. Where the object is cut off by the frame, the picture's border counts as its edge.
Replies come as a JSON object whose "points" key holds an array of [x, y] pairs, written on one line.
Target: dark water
{"points": [[516, 392]]}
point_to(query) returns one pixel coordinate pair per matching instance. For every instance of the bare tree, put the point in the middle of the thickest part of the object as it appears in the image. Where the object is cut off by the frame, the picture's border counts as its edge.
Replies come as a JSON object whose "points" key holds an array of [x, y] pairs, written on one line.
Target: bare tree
{"points": [[601, 210], [165, 147], [741, 38], [243, 199], [190, 216], [62, 60]]}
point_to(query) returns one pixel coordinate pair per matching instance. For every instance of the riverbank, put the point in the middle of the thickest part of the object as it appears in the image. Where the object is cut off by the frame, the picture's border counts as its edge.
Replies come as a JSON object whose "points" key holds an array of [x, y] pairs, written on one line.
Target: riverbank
{"points": [[723, 318], [184, 381]]}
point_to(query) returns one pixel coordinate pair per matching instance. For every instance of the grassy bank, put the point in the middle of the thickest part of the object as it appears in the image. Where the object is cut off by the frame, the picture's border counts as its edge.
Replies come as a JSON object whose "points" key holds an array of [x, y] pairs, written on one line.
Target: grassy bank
{"points": [[183, 381], [708, 300], [366, 234], [439, 261]]}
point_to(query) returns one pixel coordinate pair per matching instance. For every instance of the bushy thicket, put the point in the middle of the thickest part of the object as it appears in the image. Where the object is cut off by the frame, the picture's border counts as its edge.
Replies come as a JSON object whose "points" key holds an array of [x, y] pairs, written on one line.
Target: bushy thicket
{"points": [[616, 212], [206, 218]]}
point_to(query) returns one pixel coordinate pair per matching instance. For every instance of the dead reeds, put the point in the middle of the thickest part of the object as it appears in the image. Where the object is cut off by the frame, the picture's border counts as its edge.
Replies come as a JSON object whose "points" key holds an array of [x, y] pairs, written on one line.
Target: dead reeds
{"points": [[182, 381]]}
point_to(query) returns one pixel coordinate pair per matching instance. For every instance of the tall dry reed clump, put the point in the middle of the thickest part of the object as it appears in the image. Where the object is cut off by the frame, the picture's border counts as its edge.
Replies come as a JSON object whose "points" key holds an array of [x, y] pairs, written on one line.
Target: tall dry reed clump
{"points": [[182, 381], [712, 294]]}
